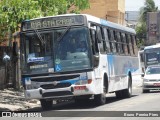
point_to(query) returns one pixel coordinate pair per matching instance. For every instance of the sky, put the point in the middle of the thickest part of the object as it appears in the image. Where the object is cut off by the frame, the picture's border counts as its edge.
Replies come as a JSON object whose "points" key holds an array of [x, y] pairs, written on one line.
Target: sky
{"points": [[135, 5]]}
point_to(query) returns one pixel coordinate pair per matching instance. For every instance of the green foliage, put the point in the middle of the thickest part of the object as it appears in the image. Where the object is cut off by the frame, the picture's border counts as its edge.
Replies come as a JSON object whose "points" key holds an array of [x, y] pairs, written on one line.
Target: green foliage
{"points": [[141, 34], [149, 6], [13, 12]]}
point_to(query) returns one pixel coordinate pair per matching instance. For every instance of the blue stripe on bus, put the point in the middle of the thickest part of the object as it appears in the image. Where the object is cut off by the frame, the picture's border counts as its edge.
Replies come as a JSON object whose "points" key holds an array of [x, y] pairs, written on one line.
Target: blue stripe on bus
{"points": [[73, 81], [110, 59]]}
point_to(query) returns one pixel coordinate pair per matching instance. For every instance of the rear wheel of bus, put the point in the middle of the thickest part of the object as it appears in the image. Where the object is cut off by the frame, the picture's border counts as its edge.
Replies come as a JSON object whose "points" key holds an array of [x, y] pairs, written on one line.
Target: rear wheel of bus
{"points": [[46, 104], [126, 93]]}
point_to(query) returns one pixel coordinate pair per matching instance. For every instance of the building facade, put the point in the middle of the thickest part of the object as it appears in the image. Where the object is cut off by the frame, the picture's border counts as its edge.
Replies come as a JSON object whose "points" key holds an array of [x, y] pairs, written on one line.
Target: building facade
{"points": [[153, 28], [111, 10], [131, 18]]}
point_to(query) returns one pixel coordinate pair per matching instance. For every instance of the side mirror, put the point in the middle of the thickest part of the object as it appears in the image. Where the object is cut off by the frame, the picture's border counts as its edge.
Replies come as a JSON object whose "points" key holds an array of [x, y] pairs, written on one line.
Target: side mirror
{"points": [[95, 60]]}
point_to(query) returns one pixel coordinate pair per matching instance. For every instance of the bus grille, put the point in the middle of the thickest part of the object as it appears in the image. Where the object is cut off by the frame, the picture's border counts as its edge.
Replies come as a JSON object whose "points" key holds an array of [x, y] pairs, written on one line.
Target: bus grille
{"points": [[59, 93], [59, 85]]}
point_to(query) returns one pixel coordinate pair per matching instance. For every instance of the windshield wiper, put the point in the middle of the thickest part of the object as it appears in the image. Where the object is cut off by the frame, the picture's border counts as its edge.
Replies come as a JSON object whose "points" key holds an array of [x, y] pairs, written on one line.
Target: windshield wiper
{"points": [[39, 36], [64, 33]]}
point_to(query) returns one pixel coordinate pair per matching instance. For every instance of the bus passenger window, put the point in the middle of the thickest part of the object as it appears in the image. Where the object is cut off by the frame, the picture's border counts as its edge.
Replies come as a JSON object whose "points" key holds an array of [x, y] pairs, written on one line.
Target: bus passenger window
{"points": [[127, 42], [130, 45], [132, 41], [94, 42], [121, 43], [109, 39], [115, 40], [106, 40], [101, 40]]}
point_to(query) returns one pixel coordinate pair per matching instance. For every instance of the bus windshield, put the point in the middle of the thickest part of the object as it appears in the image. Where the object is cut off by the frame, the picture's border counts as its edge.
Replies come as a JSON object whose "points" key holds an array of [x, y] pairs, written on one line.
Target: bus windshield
{"points": [[57, 50], [152, 56]]}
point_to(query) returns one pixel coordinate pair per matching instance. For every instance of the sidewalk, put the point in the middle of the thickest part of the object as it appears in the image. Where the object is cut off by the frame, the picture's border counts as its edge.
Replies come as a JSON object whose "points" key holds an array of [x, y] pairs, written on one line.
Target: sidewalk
{"points": [[11, 100]]}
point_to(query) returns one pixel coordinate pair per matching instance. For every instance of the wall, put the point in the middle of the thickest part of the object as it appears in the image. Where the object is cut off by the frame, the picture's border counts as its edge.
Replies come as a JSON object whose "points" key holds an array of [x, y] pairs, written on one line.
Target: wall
{"points": [[112, 10]]}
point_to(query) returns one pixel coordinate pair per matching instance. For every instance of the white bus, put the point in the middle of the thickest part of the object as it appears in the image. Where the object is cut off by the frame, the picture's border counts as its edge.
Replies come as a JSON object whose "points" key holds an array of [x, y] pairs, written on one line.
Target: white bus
{"points": [[151, 55], [53, 68]]}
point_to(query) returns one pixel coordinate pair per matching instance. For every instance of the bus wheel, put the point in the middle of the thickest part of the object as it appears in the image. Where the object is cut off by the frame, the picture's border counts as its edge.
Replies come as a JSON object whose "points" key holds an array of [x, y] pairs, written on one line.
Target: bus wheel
{"points": [[46, 104], [100, 99], [127, 93]]}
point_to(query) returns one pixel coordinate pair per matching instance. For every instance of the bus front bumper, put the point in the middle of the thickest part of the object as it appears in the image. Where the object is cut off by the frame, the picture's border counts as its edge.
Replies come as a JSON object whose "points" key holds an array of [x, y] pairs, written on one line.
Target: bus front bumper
{"points": [[77, 90]]}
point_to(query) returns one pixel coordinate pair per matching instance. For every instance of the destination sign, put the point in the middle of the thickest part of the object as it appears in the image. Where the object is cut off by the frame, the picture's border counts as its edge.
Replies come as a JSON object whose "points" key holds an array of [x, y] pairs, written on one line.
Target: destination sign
{"points": [[52, 22]]}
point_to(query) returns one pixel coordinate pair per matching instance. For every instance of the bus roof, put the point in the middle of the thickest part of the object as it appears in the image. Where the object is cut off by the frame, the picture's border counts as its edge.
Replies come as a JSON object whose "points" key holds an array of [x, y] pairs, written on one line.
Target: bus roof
{"points": [[95, 20], [108, 23], [152, 46]]}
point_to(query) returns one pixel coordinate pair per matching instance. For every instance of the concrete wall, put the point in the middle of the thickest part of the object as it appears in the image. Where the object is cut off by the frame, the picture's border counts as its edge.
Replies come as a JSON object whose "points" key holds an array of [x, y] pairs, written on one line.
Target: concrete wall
{"points": [[112, 10]]}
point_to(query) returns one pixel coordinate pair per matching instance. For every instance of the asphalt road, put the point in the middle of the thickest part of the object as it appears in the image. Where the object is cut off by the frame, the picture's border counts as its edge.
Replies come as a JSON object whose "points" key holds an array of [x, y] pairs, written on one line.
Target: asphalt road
{"points": [[139, 106]]}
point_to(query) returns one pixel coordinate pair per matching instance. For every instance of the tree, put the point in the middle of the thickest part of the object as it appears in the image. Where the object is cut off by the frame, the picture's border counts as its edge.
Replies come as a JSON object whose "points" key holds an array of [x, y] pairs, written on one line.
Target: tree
{"points": [[141, 29], [13, 12], [149, 6]]}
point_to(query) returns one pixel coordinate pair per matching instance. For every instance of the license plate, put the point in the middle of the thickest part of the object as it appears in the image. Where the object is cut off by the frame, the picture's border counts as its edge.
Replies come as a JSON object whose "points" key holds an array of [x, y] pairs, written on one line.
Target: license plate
{"points": [[79, 87], [156, 84]]}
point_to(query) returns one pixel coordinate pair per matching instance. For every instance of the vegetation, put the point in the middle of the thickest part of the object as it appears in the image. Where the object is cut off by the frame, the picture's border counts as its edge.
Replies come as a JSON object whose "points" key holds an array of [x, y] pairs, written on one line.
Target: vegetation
{"points": [[141, 29], [13, 12]]}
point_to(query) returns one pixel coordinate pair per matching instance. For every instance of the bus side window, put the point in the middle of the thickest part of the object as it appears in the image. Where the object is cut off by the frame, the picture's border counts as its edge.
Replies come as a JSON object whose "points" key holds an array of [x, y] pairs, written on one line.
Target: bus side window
{"points": [[133, 43], [124, 44], [106, 37], [127, 42], [101, 43], [121, 43], [94, 42], [130, 45], [109, 39], [113, 42]]}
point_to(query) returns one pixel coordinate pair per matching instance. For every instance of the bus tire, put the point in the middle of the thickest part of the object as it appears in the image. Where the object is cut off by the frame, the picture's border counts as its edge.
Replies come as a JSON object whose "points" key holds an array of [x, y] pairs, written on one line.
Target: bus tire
{"points": [[100, 99], [127, 93], [46, 104]]}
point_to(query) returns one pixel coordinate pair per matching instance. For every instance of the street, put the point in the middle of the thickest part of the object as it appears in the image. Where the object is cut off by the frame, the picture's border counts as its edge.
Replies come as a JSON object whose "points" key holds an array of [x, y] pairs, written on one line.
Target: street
{"points": [[138, 103]]}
